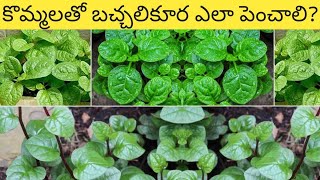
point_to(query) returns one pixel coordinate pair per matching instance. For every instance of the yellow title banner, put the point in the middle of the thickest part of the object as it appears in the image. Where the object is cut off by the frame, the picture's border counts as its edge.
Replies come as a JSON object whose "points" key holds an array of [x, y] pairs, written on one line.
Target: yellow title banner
{"points": [[159, 14]]}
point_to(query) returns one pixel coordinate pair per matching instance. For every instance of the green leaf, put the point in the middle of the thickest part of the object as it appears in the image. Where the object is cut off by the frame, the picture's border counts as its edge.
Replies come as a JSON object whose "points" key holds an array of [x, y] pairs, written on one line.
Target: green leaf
{"points": [[274, 161], [304, 122], [280, 67], [242, 123], [313, 148], [134, 173], [280, 83], [64, 177], [125, 35], [24, 167], [68, 50], [196, 149], [238, 146], [260, 69], [44, 52], [125, 146], [12, 66], [190, 73], [101, 130], [66, 71], [182, 132], [214, 69], [240, 84], [298, 71], [157, 90], [182, 175], [160, 34], [204, 34], [216, 127], [104, 70], [8, 119], [42, 34], [112, 173], [90, 161], [200, 68], [49, 97], [43, 147], [130, 125], [10, 93], [302, 55], [263, 130], [230, 173], [61, 122], [114, 50], [295, 46], [213, 49], [21, 45], [251, 49], [150, 70], [207, 89], [36, 127], [294, 94], [182, 115], [207, 162], [124, 84], [254, 174], [301, 177], [164, 69], [38, 68], [84, 83], [239, 35], [6, 48], [71, 95], [122, 123], [311, 97], [147, 127], [157, 162], [85, 67], [152, 49]]}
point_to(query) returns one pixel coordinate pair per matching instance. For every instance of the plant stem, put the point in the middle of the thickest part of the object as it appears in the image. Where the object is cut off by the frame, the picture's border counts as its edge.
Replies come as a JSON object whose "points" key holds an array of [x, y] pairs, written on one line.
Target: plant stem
{"points": [[295, 172], [26, 134], [63, 158], [61, 150], [46, 111], [301, 159], [161, 175], [22, 124], [202, 174], [256, 151], [109, 153]]}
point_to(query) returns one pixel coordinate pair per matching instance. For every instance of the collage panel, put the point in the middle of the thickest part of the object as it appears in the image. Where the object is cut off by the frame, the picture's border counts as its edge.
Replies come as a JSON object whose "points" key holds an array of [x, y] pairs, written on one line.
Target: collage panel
{"points": [[297, 68], [182, 67], [39, 67], [128, 143]]}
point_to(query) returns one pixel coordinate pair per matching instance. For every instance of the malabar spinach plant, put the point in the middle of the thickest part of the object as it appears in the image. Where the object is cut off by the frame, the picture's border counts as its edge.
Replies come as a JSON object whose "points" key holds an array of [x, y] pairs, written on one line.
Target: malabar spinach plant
{"points": [[105, 157], [182, 67], [297, 68], [53, 67], [187, 147], [259, 156]]}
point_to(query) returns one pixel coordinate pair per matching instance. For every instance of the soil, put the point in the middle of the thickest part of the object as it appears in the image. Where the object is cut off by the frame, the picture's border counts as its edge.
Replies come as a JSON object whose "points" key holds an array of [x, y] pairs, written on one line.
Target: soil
{"points": [[85, 116], [267, 99]]}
